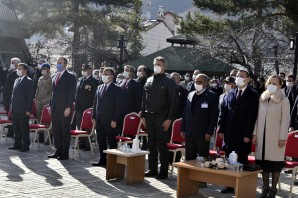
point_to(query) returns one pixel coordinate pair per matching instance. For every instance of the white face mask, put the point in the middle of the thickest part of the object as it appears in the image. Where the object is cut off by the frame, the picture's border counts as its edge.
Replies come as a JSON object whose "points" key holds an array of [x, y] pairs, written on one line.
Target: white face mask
{"points": [[228, 87], [105, 79], [187, 78], [39, 66], [19, 72], [126, 74], [214, 85], [44, 72], [199, 88], [140, 74], [118, 80], [12, 66], [239, 81], [96, 76], [289, 84], [84, 73], [271, 88], [157, 69]]}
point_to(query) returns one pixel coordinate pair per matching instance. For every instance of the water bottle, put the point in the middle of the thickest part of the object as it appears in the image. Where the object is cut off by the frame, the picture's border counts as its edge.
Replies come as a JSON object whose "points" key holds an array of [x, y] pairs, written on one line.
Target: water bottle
{"points": [[233, 157], [136, 144]]}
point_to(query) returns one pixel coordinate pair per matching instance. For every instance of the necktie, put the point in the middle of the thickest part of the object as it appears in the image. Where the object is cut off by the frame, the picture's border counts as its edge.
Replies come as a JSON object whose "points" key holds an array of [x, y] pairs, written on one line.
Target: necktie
{"points": [[104, 90], [57, 79], [124, 85], [18, 82], [239, 95]]}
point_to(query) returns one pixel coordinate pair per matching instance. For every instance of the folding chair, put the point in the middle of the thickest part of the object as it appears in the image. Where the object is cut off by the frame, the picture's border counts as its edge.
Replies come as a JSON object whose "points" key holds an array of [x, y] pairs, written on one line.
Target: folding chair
{"points": [[43, 126], [177, 142], [4, 123], [33, 118], [86, 125], [131, 127], [291, 151]]}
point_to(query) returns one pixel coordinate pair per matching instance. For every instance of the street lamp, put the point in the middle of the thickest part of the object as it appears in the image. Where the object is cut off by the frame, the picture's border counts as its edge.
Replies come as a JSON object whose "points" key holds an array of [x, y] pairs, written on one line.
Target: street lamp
{"points": [[122, 44], [293, 46]]}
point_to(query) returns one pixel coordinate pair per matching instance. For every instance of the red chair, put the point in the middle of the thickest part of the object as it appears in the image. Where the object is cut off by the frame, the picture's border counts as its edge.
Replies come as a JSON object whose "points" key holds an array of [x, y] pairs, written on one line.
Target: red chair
{"points": [[33, 118], [251, 158], [86, 126], [142, 131], [217, 146], [4, 123], [43, 126], [177, 142], [292, 152], [131, 127]]}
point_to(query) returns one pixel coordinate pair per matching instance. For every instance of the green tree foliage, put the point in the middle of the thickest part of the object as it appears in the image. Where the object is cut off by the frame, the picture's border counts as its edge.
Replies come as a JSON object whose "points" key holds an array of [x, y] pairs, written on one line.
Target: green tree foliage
{"points": [[93, 24], [245, 32]]}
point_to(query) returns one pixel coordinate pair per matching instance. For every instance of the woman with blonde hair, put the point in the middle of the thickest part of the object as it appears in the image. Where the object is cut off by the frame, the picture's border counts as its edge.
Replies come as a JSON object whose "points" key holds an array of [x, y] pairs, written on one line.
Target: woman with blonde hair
{"points": [[270, 134]]}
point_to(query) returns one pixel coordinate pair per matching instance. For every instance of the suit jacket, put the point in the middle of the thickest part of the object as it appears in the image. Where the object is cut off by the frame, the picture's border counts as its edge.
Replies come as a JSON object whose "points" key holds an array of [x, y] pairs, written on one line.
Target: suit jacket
{"points": [[22, 97], [190, 86], [107, 106], [132, 96], [182, 92], [237, 119], [291, 93], [11, 77], [63, 95], [85, 93], [202, 119]]}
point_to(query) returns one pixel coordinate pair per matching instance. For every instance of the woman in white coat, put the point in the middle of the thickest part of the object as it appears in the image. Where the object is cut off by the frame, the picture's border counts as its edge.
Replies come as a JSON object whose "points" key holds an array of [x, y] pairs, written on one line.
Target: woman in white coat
{"points": [[271, 131]]}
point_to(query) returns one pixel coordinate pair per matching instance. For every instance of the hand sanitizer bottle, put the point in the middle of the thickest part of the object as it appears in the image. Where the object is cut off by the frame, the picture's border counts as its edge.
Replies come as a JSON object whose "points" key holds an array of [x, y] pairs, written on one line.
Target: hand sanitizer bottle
{"points": [[136, 144], [233, 157]]}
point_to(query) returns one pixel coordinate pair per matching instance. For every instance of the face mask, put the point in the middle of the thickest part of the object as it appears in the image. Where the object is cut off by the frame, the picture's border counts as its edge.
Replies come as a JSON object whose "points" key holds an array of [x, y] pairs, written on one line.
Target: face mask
{"points": [[228, 87], [96, 76], [289, 84], [194, 77], [239, 81], [271, 88], [105, 79], [84, 73], [187, 78], [118, 80], [12, 66], [19, 72], [44, 72], [126, 74], [214, 85], [139, 74], [59, 67], [199, 87], [39, 66], [157, 69]]}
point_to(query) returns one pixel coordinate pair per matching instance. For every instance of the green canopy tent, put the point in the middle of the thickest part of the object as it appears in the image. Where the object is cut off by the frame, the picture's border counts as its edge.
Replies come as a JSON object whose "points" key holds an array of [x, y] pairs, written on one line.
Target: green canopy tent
{"points": [[186, 59]]}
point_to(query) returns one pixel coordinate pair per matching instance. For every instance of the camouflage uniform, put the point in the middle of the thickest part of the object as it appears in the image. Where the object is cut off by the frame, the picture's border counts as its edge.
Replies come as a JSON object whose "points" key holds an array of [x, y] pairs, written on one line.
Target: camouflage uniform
{"points": [[43, 93]]}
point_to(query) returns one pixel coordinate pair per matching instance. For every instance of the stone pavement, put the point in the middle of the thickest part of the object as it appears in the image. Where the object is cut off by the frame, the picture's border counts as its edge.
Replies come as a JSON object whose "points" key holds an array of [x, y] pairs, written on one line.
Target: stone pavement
{"points": [[32, 174]]}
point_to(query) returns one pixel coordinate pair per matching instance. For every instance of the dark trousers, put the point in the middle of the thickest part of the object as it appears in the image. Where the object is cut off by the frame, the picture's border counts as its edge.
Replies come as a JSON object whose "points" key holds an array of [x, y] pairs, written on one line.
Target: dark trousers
{"points": [[106, 135], [157, 142], [20, 125], [196, 146], [61, 132]]}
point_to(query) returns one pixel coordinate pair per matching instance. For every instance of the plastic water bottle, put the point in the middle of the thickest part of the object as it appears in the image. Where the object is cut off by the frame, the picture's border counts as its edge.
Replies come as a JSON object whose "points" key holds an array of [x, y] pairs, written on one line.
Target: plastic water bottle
{"points": [[136, 144], [233, 157], [120, 148]]}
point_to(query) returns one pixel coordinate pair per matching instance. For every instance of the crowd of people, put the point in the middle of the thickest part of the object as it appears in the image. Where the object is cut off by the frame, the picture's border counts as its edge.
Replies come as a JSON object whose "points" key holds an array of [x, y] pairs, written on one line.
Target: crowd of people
{"points": [[240, 113]]}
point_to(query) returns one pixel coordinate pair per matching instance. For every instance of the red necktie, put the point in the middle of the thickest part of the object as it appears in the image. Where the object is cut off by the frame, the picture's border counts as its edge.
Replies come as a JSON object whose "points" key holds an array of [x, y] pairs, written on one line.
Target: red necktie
{"points": [[57, 79]]}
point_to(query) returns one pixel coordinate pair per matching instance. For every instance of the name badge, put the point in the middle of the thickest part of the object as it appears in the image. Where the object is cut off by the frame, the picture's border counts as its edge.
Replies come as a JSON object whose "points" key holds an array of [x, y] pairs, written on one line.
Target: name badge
{"points": [[204, 105]]}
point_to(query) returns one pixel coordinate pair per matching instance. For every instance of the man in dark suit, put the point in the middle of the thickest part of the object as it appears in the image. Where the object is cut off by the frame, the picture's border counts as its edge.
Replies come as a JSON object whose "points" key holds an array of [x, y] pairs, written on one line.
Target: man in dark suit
{"points": [[237, 119], [61, 102], [7, 92], [191, 85], [86, 88], [142, 75], [199, 119], [107, 112], [21, 104], [291, 89]]}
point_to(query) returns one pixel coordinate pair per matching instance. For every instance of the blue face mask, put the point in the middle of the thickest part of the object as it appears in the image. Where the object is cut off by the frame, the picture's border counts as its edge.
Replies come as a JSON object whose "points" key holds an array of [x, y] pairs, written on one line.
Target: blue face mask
{"points": [[59, 67]]}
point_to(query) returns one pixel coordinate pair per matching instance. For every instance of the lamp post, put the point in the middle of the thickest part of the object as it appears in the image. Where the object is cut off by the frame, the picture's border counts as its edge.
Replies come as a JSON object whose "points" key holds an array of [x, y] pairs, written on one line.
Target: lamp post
{"points": [[122, 44], [293, 46]]}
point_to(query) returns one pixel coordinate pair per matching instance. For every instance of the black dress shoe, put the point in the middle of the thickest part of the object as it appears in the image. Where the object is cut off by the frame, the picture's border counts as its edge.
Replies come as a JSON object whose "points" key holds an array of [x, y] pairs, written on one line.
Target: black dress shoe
{"points": [[53, 156], [162, 176], [100, 163], [151, 174], [25, 149], [14, 148], [63, 158], [227, 190]]}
